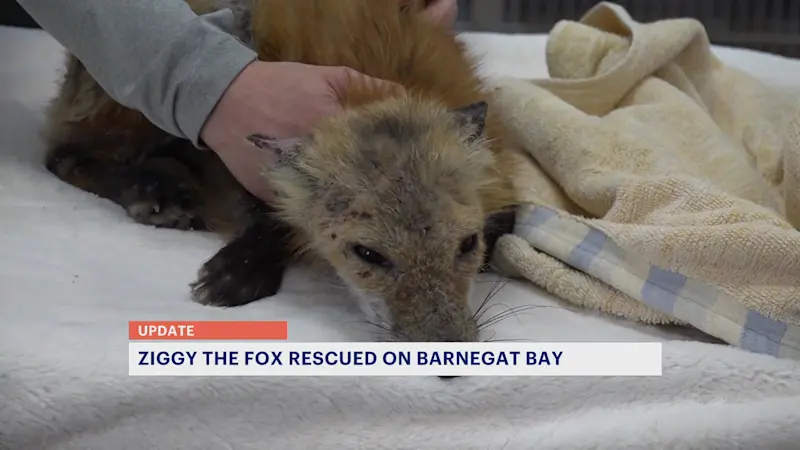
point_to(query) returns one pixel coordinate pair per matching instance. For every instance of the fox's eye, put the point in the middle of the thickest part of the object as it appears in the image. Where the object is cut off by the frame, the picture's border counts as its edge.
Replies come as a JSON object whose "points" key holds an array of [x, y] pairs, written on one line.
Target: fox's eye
{"points": [[370, 256], [468, 244]]}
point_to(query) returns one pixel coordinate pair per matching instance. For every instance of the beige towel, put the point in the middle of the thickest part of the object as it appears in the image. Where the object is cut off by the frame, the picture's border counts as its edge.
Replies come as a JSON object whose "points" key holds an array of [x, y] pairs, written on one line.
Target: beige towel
{"points": [[684, 163]]}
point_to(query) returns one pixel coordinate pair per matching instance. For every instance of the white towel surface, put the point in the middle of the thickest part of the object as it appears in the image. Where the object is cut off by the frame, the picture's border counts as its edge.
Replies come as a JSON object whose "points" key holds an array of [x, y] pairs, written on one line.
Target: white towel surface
{"points": [[74, 270]]}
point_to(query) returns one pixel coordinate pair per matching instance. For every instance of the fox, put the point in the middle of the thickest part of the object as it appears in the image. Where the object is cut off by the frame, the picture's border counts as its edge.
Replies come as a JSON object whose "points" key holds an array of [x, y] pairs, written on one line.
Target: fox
{"points": [[403, 194]]}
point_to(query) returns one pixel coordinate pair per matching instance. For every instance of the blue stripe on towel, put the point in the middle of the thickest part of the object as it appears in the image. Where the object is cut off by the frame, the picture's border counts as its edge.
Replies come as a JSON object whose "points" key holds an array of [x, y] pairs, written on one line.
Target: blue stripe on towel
{"points": [[583, 254], [692, 301], [661, 289], [761, 334], [530, 220], [538, 216]]}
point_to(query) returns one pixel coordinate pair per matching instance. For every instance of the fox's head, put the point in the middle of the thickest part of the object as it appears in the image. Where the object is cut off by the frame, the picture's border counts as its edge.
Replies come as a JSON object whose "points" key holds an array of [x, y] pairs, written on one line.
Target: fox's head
{"points": [[390, 194]]}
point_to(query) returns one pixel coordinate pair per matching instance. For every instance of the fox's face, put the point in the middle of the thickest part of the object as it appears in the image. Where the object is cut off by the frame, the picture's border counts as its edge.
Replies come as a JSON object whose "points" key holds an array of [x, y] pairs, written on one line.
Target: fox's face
{"points": [[390, 196]]}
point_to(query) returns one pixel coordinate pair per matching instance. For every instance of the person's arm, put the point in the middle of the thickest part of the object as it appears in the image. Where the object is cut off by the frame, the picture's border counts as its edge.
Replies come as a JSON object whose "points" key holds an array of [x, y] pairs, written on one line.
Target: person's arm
{"points": [[154, 56]]}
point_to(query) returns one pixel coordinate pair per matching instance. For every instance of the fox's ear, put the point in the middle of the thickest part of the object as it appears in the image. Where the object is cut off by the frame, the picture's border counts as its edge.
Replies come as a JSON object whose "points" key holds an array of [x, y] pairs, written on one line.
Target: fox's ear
{"points": [[473, 118], [286, 149]]}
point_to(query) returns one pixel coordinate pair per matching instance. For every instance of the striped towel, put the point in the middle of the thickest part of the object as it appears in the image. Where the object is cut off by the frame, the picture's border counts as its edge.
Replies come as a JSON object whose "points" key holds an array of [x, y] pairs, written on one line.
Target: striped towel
{"points": [[590, 251], [664, 187]]}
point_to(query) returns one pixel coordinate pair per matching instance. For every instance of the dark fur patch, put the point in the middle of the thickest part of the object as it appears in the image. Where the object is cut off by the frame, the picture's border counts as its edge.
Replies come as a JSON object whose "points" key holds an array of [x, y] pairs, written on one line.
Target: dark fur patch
{"points": [[395, 128], [360, 215], [159, 192], [496, 226], [474, 117], [386, 134], [162, 202], [249, 268], [337, 203]]}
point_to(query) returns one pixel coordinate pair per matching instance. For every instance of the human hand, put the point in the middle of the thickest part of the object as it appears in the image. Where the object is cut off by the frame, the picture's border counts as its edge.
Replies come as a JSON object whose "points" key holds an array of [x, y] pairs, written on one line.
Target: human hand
{"points": [[279, 99]]}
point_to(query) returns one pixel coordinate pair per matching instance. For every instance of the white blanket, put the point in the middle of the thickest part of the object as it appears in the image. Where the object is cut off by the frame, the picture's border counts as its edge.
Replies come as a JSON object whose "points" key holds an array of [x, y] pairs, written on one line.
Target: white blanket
{"points": [[74, 269]]}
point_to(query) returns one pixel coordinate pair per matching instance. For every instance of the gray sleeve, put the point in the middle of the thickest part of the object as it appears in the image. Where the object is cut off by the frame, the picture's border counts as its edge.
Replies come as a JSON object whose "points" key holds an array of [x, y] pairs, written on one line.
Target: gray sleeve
{"points": [[154, 56]]}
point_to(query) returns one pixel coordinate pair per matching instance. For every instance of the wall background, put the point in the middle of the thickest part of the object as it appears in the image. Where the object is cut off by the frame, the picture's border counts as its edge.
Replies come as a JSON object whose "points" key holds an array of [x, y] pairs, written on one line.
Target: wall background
{"points": [[767, 25]]}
